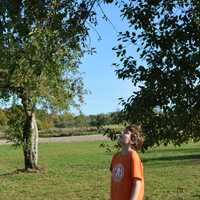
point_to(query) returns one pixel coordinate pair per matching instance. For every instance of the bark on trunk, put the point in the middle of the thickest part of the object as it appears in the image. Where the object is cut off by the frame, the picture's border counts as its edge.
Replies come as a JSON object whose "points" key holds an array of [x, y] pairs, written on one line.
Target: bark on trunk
{"points": [[30, 134]]}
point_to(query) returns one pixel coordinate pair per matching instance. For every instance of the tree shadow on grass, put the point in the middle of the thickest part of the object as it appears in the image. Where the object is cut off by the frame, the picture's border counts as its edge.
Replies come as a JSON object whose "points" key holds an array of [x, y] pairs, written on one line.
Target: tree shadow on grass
{"points": [[22, 171], [15, 172], [191, 157], [174, 150], [196, 196]]}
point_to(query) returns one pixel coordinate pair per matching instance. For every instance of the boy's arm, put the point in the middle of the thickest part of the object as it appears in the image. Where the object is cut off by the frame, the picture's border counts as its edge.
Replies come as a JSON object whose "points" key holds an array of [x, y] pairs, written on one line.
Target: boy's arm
{"points": [[137, 183]]}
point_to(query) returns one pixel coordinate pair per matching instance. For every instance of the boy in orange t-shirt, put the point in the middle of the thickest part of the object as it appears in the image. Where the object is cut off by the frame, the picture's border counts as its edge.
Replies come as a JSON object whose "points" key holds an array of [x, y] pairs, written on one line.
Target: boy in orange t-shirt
{"points": [[127, 181]]}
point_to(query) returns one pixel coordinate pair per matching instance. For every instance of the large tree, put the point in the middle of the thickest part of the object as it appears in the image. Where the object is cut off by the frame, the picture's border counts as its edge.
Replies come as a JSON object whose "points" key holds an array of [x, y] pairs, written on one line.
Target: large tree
{"points": [[166, 36], [41, 43]]}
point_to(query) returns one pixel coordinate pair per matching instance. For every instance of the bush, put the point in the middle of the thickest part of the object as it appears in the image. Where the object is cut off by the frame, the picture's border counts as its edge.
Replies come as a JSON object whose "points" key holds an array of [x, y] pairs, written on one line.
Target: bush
{"points": [[3, 118], [15, 123]]}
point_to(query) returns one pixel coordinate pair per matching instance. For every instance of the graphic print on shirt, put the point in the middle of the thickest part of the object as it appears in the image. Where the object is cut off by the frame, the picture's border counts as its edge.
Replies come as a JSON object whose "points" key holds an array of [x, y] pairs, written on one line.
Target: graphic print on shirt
{"points": [[118, 172]]}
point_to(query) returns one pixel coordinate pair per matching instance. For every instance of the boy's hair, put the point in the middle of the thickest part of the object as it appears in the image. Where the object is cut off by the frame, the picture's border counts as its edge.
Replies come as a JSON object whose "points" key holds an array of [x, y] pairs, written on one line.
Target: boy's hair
{"points": [[137, 136]]}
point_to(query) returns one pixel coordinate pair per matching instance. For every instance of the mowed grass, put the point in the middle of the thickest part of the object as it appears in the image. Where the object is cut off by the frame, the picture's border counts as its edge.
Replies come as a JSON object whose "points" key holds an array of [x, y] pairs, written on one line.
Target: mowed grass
{"points": [[77, 171]]}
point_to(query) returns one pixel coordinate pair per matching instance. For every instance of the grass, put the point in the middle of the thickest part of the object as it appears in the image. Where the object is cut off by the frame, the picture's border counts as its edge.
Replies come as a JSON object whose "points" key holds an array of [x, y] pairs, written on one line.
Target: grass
{"points": [[79, 171]]}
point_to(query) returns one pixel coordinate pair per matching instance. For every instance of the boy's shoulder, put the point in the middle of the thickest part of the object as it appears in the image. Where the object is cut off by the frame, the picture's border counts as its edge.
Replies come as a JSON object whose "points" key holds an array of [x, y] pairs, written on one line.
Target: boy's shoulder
{"points": [[134, 154], [119, 154], [116, 154]]}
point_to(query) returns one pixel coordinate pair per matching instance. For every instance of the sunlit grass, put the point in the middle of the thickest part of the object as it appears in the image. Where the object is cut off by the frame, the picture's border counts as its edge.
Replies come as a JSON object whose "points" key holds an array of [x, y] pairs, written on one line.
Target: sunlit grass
{"points": [[81, 171]]}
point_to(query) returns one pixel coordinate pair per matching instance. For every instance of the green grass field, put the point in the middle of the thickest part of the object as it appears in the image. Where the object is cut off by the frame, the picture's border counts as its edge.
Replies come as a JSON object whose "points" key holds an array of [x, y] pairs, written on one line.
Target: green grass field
{"points": [[79, 171]]}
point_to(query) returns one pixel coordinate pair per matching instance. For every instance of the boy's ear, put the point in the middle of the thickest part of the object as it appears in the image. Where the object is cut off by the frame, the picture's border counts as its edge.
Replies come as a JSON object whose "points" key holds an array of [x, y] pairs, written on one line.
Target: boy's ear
{"points": [[131, 140]]}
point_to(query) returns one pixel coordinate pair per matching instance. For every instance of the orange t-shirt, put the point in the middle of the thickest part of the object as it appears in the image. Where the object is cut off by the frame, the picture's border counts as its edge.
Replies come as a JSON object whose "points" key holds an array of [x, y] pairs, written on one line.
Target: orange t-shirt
{"points": [[124, 169]]}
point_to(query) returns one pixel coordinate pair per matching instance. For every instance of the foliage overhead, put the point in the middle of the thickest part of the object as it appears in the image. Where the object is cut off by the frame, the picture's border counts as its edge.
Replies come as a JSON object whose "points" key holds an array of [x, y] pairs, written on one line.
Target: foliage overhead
{"points": [[166, 36], [41, 43]]}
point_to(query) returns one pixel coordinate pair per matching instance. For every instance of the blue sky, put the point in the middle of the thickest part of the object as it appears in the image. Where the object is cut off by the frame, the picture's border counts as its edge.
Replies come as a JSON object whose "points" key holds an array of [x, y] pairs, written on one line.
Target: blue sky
{"points": [[99, 76]]}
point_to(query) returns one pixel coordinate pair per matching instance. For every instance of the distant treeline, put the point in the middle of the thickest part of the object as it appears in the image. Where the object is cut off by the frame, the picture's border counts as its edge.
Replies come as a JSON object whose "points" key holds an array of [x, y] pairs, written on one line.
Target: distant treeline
{"points": [[47, 120]]}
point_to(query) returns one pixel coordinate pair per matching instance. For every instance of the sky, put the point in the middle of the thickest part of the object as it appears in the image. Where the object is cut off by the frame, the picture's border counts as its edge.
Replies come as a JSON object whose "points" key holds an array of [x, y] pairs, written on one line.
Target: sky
{"points": [[98, 73]]}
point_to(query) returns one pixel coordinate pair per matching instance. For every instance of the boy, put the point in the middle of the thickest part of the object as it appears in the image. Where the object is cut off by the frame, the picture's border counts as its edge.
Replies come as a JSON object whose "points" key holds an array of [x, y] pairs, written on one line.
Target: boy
{"points": [[127, 181]]}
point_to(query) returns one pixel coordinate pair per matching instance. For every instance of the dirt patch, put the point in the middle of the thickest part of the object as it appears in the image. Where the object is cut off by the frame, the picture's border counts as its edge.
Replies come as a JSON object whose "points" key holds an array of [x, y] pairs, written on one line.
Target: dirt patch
{"points": [[67, 139]]}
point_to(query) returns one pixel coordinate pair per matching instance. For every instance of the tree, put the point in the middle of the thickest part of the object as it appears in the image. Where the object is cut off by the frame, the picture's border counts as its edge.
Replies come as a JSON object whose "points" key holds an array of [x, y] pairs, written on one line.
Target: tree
{"points": [[3, 118], [166, 35], [99, 120], [44, 119], [41, 43]]}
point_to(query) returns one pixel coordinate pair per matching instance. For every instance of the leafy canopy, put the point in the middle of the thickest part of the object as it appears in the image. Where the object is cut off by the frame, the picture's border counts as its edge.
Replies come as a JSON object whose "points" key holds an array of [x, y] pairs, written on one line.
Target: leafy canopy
{"points": [[166, 36], [41, 43]]}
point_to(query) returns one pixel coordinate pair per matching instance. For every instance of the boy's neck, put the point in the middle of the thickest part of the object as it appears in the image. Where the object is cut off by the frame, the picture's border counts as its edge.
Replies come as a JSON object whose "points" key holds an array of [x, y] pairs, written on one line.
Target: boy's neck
{"points": [[125, 149]]}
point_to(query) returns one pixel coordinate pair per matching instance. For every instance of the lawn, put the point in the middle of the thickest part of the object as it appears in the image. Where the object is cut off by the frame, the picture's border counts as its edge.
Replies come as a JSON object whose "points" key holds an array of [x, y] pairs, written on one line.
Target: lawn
{"points": [[79, 171]]}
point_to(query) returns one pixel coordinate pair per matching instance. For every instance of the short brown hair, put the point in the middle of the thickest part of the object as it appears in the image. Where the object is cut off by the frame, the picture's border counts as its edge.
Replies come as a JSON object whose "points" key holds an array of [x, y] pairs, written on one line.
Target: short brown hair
{"points": [[137, 136]]}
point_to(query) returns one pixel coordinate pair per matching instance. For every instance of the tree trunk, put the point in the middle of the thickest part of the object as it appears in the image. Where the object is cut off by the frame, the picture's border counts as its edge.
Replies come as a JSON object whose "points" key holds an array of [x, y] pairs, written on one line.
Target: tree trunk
{"points": [[30, 136]]}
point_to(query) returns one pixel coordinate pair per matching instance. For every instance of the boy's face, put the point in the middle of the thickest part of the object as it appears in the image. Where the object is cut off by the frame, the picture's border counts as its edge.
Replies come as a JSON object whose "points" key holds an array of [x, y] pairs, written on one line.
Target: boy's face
{"points": [[125, 137]]}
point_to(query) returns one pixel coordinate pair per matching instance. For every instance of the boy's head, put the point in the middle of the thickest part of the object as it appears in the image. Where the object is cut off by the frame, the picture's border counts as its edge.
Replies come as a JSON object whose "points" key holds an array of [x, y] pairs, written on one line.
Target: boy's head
{"points": [[134, 135]]}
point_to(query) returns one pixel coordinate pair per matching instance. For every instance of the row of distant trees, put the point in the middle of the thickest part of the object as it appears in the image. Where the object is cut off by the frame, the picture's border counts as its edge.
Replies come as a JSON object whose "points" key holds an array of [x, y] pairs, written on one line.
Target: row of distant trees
{"points": [[47, 120]]}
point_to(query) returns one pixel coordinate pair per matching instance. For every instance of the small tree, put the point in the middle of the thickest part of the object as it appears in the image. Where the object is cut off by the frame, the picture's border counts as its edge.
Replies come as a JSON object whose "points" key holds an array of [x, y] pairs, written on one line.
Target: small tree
{"points": [[3, 118], [41, 43], [166, 35]]}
